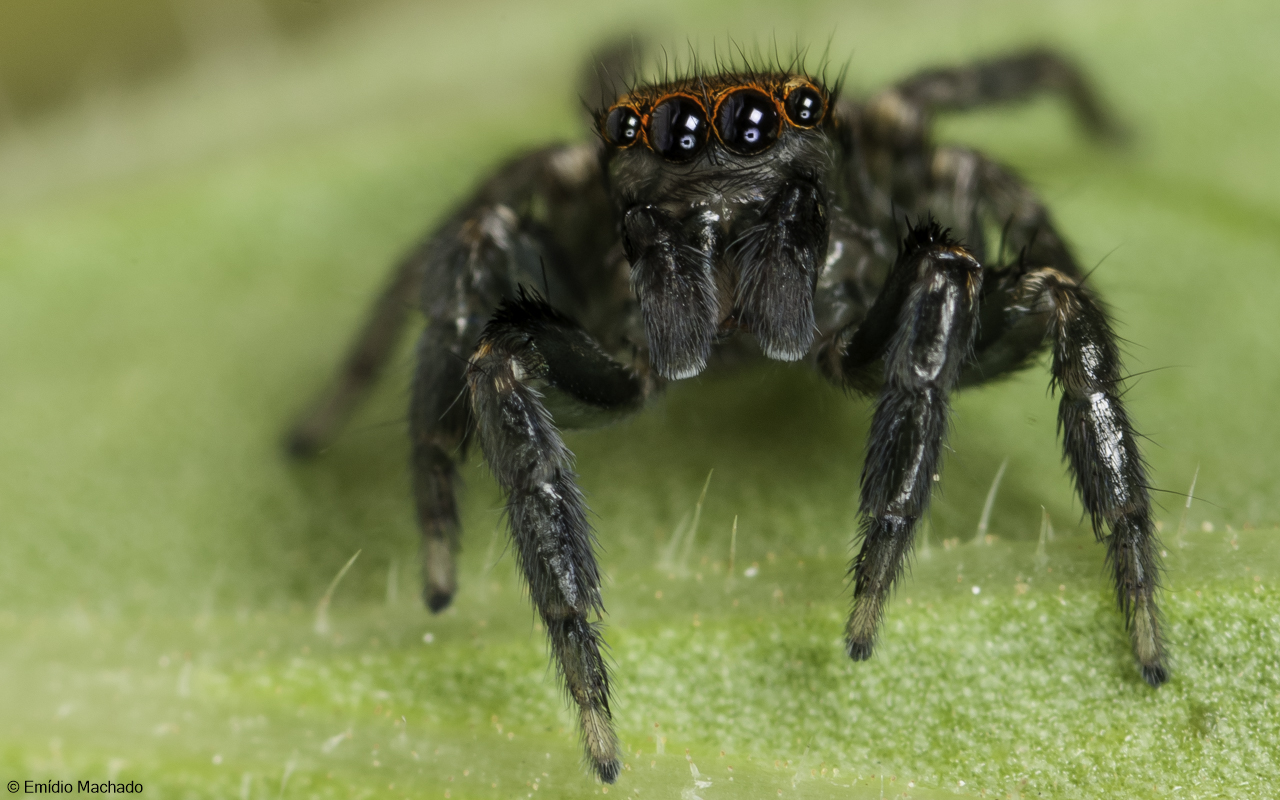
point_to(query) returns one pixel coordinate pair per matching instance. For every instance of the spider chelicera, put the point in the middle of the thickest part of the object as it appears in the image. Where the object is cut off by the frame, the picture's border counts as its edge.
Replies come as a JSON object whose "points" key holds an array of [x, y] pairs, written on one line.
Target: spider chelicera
{"points": [[757, 210]]}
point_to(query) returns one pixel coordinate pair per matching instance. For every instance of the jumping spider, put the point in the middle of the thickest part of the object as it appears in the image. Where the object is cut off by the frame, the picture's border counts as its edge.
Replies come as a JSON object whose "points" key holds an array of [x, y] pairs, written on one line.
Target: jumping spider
{"points": [[749, 209]]}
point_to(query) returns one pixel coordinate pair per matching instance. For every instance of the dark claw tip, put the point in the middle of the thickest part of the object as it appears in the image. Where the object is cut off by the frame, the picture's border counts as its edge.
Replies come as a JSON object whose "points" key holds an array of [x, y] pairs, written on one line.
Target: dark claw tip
{"points": [[859, 651], [608, 771], [437, 601], [1154, 675]]}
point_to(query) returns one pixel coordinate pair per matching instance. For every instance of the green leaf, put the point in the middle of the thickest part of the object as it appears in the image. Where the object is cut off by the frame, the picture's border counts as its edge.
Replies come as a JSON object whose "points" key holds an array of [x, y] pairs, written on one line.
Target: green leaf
{"points": [[181, 263]]}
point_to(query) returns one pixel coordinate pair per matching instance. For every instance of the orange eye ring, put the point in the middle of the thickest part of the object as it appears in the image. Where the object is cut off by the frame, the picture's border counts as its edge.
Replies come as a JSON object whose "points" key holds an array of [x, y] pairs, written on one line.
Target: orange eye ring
{"points": [[747, 116], [677, 126], [804, 105], [623, 126], [747, 120]]}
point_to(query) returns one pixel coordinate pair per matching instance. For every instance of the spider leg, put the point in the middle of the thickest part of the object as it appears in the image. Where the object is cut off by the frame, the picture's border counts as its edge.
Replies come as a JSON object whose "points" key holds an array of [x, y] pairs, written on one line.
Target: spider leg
{"points": [[438, 425], [530, 360], [1039, 300], [981, 195], [478, 258], [904, 111], [921, 327], [467, 245], [987, 195], [1100, 446], [361, 366], [459, 276]]}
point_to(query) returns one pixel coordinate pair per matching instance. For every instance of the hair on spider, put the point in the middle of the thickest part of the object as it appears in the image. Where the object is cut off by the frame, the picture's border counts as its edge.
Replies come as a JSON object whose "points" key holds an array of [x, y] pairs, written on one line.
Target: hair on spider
{"points": [[694, 73], [527, 308], [925, 233], [739, 206]]}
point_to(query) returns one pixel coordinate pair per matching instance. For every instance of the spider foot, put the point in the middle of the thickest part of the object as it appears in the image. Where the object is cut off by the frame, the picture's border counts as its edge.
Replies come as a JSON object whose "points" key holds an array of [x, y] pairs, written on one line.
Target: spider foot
{"points": [[436, 601], [440, 580], [1155, 675], [601, 744], [860, 631], [1144, 630], [859, 650]]}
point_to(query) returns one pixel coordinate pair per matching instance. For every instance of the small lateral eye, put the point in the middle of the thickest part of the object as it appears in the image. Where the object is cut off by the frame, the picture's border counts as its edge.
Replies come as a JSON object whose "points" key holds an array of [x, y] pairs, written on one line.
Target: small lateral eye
{"points": [[748, 121], [622, 126], [804, 107], [677, 128]]}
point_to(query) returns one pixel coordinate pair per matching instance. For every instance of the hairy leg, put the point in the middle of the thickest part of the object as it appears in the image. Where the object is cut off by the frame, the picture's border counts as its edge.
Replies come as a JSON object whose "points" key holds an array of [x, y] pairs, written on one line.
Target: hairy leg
{"points": [[1039, 299], [470, 265], [904, 112], [892, 131], [362, 365], [438, 425], [921, 329], [458, 276], [982, 197], [531, 359], [1101, 447]]}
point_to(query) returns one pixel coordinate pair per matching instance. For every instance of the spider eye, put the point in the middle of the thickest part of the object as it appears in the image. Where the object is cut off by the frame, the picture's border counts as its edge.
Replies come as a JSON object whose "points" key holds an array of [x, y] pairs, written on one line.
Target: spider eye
{"points": [[804, 107], [622, 126], [677, 128], [748, 121]]}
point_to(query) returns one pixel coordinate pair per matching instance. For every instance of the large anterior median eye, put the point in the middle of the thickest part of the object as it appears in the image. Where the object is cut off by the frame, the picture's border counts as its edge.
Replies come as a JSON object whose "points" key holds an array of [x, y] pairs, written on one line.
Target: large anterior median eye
{"points": [[677, 128], [622, 126], [747, 121], [804, 107]]}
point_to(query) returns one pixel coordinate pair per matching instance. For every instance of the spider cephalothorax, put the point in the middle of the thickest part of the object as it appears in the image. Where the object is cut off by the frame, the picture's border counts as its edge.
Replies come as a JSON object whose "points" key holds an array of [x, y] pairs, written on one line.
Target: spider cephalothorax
{"points": [[748, 211], [720, 184]]}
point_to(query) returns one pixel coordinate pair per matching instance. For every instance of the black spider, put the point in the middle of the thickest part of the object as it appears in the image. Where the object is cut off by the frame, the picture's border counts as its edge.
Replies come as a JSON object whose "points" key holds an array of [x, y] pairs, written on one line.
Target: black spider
{"points": [[753, 202]]}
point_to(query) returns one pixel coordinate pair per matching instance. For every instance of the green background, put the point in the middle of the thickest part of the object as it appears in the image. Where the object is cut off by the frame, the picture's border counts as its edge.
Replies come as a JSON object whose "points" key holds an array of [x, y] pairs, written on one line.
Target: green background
{"points": [[182, 259]]}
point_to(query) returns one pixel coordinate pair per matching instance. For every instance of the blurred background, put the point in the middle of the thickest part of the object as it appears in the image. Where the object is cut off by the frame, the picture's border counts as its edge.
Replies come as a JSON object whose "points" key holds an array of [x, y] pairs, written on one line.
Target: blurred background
{"points": [[197, 199], [57, 52]]}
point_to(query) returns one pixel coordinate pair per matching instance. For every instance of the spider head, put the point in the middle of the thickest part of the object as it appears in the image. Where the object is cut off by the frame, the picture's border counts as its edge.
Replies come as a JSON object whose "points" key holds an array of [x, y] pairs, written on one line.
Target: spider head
{"points": [[720, 183]]}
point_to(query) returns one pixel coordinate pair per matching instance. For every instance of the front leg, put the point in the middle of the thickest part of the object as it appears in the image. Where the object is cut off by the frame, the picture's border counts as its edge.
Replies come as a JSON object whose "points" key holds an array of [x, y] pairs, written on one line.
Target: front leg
{"points": [[1101, 447], [921, 328], [1040, 299], [531, 357]]}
